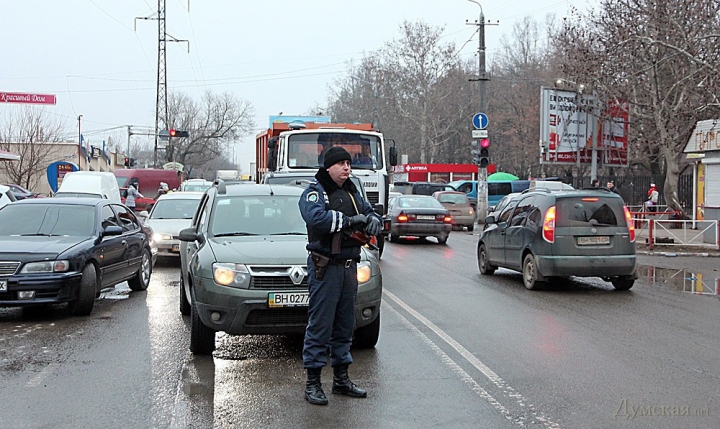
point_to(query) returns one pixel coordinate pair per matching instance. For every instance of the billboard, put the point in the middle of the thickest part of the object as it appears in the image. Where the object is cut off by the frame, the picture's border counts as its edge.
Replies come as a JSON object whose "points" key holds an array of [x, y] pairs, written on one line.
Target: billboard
{"points": [[568, 126], [19, 97], [614, 133]]}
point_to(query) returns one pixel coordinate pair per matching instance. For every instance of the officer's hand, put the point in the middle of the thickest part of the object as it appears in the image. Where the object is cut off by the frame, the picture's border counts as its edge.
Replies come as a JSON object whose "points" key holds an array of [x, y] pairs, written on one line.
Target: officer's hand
{"points": [[358, 219], [373, 227]]}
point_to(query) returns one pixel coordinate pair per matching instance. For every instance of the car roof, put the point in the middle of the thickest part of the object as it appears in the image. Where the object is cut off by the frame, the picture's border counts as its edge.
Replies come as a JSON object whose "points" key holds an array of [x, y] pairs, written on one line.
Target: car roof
{"points": [[76, 201], [181, 195], [254, 189], [450, 192]]}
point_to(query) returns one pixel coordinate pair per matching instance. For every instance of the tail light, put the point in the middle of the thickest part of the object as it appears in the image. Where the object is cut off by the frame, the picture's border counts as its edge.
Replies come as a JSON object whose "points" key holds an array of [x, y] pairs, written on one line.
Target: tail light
{"points": [[447, 219], [549, 225], [402, 218], [630, 223]]}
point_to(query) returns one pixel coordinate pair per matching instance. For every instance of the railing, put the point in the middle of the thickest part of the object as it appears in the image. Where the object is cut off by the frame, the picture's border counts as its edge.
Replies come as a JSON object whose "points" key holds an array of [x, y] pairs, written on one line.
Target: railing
{"points": [[660, 228]]}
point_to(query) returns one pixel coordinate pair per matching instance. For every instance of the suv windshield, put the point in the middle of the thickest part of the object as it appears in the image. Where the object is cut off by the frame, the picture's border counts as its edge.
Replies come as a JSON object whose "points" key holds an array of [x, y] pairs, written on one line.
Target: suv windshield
{"points": [[257, 215], [597, 211]]}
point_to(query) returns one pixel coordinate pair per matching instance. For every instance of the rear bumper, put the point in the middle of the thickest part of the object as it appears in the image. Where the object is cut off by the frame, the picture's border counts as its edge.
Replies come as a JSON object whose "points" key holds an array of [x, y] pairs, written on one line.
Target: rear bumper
{"points": [[420, 229], [586, 266]]}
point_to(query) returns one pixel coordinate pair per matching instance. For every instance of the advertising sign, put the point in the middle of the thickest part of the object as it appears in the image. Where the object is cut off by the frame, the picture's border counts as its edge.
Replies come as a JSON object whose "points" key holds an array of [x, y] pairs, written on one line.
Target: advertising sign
{"points": [[18, 97], [614, 133], [56, 171], [289, 119], [568, 126]]}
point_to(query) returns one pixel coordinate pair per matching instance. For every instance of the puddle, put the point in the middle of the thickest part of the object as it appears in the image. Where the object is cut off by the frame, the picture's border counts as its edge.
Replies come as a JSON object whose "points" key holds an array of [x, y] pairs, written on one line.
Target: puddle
{"points": [[682, 279]]}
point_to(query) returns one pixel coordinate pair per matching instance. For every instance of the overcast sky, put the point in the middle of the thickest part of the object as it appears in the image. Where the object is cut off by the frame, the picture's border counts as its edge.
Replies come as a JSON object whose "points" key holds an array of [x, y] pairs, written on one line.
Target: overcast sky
{"points": [[280, 55]]}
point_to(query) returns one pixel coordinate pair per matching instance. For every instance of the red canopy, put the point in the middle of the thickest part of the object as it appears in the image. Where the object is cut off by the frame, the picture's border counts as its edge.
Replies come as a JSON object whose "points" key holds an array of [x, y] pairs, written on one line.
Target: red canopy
{"points": [[8, 156]]}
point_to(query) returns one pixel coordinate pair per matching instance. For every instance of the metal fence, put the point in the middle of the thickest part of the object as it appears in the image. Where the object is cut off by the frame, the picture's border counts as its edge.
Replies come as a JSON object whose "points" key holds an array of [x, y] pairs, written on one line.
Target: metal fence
{"points": [[633, 188]]}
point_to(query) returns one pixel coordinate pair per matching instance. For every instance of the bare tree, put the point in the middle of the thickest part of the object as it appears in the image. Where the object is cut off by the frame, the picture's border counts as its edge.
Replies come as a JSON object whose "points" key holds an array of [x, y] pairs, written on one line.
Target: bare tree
{"points": [[29, 132], [214, 123], [661, 57]]}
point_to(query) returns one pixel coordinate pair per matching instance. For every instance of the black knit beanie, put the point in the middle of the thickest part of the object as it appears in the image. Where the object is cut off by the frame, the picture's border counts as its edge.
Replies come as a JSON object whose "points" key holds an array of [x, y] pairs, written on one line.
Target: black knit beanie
{"points": [[335, 154]]}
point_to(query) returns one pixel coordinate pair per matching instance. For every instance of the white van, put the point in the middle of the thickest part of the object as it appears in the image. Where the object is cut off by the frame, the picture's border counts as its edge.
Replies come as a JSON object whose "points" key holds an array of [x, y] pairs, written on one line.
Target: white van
{"points": [[90, 184], [6, 195]]}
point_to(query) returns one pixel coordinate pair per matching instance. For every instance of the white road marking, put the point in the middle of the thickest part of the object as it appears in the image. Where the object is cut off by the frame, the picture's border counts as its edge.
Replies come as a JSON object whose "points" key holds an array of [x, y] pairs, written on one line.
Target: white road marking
{"points": [[35, 382], [507, 390]]}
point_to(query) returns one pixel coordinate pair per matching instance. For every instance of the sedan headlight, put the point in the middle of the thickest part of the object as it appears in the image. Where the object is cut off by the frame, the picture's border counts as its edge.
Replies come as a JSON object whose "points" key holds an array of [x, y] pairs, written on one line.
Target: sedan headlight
{"points": [[46, 267], [233, 275], [158, 237], [364, 272]]}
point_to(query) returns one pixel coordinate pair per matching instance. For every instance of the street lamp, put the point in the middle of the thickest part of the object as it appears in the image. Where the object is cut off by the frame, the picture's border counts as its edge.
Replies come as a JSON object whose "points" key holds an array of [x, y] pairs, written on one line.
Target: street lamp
{"points": [[375, 98]]}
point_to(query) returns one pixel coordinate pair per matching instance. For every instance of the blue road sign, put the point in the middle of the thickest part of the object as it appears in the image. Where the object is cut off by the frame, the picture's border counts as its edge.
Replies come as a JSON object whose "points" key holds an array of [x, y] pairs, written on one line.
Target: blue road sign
{"points": [[480, 121]]}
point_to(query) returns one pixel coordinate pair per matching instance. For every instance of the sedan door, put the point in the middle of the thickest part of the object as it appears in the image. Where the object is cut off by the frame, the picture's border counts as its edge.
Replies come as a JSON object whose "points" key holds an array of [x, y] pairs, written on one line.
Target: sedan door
{"points": [[110, 252], [133, 238]]}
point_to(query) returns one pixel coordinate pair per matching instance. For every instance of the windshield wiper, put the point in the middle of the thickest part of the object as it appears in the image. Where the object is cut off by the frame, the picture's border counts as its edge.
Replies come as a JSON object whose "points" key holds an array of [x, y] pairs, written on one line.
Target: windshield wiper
{"points": [[39, 234], [234, 234], [289, 233]]}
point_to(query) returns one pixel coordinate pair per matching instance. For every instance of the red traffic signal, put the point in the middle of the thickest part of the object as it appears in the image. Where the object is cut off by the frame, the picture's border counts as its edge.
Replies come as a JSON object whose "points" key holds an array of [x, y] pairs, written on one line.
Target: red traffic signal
{"points": [[485, 143], [127, 162], [179, 133]]}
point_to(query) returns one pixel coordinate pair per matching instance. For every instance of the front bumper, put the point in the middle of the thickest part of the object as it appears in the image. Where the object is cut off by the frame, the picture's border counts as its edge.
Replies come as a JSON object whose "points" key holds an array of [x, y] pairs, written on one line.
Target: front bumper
{"points": [[49, 289], [168, 248], [246, 311]]}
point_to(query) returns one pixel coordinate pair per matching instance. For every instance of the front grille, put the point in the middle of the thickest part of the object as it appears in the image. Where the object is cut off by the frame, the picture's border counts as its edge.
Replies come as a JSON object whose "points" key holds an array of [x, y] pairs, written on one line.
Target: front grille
{"points": [[278, 277], [8, 268], [278, 316], [373, 197]]}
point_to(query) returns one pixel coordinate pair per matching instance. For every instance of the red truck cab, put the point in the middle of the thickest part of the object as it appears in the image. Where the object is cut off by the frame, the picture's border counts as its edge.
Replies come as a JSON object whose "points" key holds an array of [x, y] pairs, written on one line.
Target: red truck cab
{"points": [[149, 180]]}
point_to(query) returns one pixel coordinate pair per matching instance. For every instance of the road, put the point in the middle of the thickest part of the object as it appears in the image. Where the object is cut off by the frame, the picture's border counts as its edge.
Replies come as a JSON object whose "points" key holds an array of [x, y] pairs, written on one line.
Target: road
{"points": [[457, 350]]}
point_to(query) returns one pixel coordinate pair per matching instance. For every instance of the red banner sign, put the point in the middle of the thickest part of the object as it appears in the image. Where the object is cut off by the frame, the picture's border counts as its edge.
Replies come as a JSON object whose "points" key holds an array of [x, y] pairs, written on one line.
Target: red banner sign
{"points": [[18, 97]]}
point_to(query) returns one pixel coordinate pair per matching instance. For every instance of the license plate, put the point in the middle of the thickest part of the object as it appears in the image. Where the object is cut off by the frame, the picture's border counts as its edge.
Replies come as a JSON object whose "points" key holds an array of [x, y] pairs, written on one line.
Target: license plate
{"points": [[426, 217], [3, 285], [175, 247], [288, 299], [591, 240]]}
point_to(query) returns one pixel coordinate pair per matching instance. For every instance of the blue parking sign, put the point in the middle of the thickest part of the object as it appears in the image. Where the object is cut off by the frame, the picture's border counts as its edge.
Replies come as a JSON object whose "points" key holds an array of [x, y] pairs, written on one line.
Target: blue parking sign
{"points": [[480, 121]]}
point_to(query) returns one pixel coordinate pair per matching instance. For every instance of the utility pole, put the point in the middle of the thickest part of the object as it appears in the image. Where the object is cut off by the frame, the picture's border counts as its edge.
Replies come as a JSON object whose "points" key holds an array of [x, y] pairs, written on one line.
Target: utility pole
{"points": [[79, 143], [481, 209], [161, 108]]}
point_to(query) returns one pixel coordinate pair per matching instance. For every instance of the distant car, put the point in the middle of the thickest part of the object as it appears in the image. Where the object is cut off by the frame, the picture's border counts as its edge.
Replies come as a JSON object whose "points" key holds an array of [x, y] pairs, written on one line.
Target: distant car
{"points": [[6, 195], [195, 185], [244, 268], [171, 213], [55, 250], [420, 188], [20, 192], [457, 203], [418, 216], [554, 234]]}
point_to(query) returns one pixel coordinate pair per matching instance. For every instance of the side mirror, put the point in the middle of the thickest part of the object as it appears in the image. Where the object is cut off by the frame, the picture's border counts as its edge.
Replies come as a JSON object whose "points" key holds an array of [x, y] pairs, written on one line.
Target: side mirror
{"points": [[379, 209], [393, 156], [272, 153], [490, 219], [189, 234], [112, 230]]}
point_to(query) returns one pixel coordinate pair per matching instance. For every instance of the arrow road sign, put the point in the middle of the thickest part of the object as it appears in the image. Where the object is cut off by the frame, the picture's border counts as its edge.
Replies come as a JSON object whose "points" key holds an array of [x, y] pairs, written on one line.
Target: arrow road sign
{"points": [[480, 121]]}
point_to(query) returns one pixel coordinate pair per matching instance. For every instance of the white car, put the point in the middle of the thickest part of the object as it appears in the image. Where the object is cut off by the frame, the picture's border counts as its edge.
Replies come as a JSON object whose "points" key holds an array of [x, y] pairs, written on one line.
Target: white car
{"points": [[171, 213], [6, 195]]}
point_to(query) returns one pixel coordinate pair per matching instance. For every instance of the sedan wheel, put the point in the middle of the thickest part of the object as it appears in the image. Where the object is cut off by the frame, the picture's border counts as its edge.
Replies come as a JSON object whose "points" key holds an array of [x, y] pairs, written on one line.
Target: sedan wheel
{"points": [[470, 228], [623, 283], [85, 301], [530, 272], [486, 268], [141, 281], [442, 239], [184, 303], [202, 338]]}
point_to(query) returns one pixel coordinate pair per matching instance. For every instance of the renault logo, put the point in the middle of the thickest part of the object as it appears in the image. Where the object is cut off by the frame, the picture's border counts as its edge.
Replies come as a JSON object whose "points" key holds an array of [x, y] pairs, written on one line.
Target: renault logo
{"points": [[297, 274]]}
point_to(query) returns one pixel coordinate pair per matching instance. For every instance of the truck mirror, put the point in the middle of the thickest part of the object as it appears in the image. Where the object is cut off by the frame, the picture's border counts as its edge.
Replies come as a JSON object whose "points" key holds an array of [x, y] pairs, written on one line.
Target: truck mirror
{"points": [[393, 156], [272, 154]]}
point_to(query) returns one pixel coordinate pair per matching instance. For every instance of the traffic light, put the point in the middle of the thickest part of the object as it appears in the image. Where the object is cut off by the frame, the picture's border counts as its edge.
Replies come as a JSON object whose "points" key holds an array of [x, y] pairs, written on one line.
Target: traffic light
{"points": [[179, 133], [127, 162], [484, 159], [132, 162]]}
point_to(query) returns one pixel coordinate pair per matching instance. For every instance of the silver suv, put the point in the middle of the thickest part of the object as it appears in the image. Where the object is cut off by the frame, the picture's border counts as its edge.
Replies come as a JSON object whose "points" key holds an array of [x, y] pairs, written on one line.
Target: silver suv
{"points": [[553, 234]]}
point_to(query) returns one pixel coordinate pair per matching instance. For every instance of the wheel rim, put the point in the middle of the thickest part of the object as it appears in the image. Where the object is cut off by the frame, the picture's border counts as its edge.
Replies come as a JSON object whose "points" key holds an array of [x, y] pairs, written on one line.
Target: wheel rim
{"points": [[529, 272], [145, 269], [483, 259]]}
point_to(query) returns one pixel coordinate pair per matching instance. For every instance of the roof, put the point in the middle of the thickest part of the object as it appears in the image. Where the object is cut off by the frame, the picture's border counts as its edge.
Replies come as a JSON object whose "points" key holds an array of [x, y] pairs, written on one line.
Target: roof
{"points": [[262, 189], [78, 201], [184, 195]]}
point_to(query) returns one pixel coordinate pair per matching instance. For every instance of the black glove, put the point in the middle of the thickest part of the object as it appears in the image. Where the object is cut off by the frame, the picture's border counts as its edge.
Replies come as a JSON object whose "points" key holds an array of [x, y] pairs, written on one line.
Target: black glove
{"points": [[373, 226], [358, 219]]}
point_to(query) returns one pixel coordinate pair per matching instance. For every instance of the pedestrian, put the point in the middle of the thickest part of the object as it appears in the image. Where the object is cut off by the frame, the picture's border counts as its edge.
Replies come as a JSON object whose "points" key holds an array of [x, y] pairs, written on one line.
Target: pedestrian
{"points": [[132, 195], [595, 183], [653, 196], [330, 205], [612, 188]]}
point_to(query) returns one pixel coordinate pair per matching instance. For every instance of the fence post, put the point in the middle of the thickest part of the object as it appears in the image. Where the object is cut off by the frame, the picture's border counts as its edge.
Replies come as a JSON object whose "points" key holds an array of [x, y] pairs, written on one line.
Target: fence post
{"points": [[717, 232], [651, 231]]}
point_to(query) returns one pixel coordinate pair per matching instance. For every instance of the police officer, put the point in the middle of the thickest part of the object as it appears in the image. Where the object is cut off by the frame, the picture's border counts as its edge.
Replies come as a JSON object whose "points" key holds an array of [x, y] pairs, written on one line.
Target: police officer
{"points": [[330, 205]]}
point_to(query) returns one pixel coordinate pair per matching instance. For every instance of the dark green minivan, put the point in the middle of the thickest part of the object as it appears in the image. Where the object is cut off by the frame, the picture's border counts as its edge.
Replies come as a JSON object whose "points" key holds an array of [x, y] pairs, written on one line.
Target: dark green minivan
{"points": [[555, 234]]}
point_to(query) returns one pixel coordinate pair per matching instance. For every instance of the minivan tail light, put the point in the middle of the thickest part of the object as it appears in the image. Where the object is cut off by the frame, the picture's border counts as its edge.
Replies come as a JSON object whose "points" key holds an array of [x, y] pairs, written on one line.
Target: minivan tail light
{"points": [[630, 223], [591, 199], [549, 225]]}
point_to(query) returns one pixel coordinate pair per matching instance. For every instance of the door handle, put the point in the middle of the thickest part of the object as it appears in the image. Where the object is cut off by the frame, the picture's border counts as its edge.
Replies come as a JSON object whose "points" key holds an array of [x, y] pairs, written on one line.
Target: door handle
{"points": [[124, 243]]}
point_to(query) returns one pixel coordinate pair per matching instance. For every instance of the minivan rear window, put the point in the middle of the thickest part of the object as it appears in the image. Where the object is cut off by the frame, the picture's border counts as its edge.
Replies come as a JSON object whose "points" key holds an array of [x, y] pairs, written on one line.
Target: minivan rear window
{"points": [[577, 211], [503, 188]]}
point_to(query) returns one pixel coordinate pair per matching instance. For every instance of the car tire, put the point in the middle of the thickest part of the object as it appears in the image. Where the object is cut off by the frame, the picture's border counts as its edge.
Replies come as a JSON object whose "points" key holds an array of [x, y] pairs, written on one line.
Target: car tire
{"points": [[623, 283], [141, 280], [202, 338], [442, 239], [486, 268], [380, 245], [83, 305], [529, 272], [367, 336], [471, 228], [391, 238], [184, 303]]}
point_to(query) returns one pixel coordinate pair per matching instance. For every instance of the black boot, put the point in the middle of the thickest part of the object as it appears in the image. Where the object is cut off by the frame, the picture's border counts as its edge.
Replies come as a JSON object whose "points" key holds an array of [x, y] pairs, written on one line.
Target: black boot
{"points": [[342, 384], [313, 388]]}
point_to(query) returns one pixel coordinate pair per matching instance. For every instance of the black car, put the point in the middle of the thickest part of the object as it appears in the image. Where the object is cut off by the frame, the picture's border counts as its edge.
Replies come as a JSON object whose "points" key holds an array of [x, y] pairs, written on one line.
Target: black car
{"points": [[55, 250]]}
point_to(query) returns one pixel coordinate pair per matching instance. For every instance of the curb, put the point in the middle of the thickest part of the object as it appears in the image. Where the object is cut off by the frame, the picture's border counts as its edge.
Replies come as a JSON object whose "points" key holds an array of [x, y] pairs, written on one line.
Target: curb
{"points": [[675, 254]]}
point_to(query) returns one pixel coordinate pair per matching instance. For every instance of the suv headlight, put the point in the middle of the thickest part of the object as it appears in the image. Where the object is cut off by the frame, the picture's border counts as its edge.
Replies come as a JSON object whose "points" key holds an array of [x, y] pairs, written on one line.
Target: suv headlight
{"points": [[46, 267], [233, 275], [364, 272]]}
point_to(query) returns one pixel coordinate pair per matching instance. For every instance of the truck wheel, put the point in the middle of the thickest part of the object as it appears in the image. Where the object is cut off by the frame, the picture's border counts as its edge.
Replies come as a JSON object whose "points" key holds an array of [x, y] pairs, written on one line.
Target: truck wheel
{"points": [[83, 305], [202, 338], [142, 278], [367, 336]]}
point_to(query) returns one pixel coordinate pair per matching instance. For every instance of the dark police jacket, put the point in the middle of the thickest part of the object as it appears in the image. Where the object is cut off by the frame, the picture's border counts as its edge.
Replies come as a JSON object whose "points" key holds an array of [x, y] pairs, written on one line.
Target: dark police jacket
{"points": [[326, 209]]}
